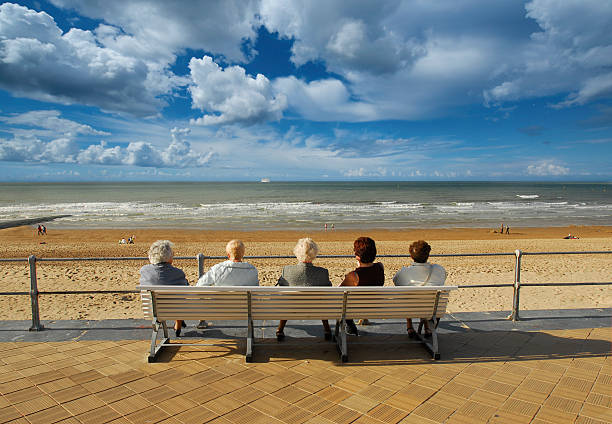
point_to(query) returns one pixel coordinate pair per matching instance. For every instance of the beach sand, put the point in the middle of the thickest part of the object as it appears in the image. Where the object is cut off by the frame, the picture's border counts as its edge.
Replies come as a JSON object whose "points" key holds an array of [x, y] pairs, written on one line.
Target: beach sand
{"points": [[21, 242]]}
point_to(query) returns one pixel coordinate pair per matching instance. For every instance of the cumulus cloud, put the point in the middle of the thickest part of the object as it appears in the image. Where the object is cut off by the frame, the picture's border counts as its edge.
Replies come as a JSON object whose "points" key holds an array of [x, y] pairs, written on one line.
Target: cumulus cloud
{"points": [[547, 168], [571, 52], [391, 60], [323, 100], [38, 61], [158, 30], [233, 95], [347, 36], [177, 154], [448, 54]]}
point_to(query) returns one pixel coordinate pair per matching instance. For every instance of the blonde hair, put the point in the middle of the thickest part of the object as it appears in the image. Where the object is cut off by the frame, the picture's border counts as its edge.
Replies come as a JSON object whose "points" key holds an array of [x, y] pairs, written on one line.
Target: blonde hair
{"points": [[161, 251], [235, 249], [306, 250]]}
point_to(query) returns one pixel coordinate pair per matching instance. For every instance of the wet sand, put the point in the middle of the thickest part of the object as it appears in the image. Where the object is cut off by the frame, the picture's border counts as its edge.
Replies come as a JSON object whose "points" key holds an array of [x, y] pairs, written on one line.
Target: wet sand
{"points": [[21, 242]]}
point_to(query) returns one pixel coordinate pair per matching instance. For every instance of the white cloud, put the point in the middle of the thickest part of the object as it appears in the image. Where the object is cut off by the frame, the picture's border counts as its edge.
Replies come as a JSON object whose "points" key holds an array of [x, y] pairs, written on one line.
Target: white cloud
{"points": [[363, 172], [395, 141], [177, 154], [395, 60], [592, 89], [38, 61], [414, 60], [235, 96], [323, 100], [547, 168], [50, 120], [158, 30], [571, 52]]}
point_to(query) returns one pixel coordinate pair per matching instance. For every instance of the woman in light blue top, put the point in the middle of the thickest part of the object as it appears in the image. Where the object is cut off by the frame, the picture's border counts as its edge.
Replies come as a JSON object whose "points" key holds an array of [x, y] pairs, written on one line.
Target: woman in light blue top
{"points": [[232, 272], [420, 273]]}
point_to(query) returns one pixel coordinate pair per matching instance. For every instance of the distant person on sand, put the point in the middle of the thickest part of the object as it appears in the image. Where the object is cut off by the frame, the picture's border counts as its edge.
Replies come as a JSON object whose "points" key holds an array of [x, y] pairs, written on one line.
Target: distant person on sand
{"points": [[570, 237], [304, 274], [232, 272], [325, 227], [122, 241], [507, 229], [39, 230], [420, 273], [333, 228], [502, 228], [130, 240], [160, 271], [367, 273], [44, 230]]}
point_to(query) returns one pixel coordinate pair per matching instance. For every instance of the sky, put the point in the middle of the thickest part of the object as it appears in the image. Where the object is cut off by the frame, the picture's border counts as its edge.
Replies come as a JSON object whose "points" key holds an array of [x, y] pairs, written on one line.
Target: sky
{"points": [[321, 90]]}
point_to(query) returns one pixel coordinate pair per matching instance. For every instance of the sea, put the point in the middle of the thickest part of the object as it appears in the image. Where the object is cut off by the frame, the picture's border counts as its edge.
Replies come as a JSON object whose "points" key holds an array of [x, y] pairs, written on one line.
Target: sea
{"points": [[308, 205]]}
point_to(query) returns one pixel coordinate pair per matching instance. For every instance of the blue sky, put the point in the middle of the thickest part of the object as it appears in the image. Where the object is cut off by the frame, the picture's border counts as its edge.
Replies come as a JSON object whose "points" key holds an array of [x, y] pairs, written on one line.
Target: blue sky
{"points": [[312, 90]]}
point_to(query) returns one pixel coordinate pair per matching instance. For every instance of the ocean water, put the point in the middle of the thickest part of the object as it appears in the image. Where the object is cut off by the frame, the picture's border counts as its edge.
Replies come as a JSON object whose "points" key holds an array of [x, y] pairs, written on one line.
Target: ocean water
{"points": [[309, 205]]}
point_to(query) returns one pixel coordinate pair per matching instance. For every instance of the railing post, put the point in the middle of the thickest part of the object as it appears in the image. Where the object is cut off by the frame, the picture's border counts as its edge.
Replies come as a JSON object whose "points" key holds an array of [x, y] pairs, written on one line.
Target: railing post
{"points": [[36, 325], [202, 324], [514, 316], [200, 258]]}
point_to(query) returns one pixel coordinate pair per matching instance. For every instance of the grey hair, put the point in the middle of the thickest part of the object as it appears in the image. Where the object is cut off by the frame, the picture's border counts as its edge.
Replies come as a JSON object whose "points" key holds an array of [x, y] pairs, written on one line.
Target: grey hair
{"points": [[306, 250], [161, 251], [235, 249]]}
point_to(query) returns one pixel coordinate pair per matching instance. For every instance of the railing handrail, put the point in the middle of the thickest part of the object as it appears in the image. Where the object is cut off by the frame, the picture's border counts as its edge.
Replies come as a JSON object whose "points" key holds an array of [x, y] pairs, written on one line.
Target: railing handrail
{"points": [[439, 255], [34, 293]]}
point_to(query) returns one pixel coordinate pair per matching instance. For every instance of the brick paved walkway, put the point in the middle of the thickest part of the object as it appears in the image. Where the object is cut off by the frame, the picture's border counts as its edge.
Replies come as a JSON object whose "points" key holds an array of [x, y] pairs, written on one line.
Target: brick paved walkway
{"points": [[552, 376]]}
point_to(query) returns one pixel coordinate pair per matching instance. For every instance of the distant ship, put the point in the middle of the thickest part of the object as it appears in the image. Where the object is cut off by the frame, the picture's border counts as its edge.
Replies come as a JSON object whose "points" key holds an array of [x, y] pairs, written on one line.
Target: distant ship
{"points": [[265, 180]]}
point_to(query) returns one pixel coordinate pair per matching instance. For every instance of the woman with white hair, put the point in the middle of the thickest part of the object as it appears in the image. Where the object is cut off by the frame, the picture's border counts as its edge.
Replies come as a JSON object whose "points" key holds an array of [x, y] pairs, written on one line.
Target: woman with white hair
{"points": [[304, 274], [160, 271], [232, 272]]}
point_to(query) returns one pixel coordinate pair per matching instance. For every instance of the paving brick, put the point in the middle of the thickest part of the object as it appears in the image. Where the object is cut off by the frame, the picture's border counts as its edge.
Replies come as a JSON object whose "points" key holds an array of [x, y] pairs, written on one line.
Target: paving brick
{"points": [[387, 414], [100, 415]]}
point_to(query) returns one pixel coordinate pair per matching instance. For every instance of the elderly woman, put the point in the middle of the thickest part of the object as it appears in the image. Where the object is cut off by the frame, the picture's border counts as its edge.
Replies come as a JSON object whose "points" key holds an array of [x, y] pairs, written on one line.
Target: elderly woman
{"points": [[420, 273], [160, 271], [232, 272], [304, 273], [367, 273]]}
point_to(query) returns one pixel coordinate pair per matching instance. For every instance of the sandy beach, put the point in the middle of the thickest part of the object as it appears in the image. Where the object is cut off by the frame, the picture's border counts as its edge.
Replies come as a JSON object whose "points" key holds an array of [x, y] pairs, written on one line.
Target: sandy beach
{"points": [[22, 241]]}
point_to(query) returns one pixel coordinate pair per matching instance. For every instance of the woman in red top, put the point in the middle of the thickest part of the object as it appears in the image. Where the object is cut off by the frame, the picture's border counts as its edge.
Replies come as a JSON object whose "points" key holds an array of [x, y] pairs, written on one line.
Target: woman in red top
{"points": [[367, 273]]}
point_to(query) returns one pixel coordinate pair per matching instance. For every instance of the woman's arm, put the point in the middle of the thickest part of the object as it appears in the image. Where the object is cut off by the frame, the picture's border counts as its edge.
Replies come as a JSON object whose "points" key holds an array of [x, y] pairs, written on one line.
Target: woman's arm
{"points": [[350, 279]]}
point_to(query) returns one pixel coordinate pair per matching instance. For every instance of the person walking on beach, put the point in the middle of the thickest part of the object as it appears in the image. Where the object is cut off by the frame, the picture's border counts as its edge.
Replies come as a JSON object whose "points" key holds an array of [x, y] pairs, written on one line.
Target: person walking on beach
{"points": [[502, 229], [367, 273], [420, 273], [160, 271]]}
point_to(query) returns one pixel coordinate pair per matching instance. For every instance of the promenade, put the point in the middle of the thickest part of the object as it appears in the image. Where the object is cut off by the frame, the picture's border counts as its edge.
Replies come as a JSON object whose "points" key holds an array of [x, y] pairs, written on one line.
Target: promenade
{"points": [[553, 366]]}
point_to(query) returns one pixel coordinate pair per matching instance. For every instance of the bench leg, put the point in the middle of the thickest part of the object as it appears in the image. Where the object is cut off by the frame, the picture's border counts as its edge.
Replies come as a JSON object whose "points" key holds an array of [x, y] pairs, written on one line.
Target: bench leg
{"points": [[432, 347], [155, 349], [340, 337], [249, 342]]}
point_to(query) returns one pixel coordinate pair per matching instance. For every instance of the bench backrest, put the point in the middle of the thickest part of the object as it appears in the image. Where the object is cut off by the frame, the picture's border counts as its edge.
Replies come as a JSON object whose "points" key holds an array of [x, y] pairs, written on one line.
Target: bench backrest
{"points": [[232, 303]]}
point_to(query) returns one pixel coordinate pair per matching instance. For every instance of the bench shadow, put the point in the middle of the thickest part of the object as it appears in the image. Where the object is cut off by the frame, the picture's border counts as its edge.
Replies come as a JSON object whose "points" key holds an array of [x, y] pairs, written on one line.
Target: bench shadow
{"points": [[465, 347], [228, 348]]}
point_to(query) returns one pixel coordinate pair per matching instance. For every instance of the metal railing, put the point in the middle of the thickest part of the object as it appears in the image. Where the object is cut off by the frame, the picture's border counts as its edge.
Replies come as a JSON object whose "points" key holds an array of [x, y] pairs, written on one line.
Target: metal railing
{"points": [[34, 293]]}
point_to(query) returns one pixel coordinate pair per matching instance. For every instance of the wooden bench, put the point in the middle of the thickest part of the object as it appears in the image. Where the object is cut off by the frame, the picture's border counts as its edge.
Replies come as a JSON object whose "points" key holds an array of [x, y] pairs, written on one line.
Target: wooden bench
{"points": [[161, 303]]}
